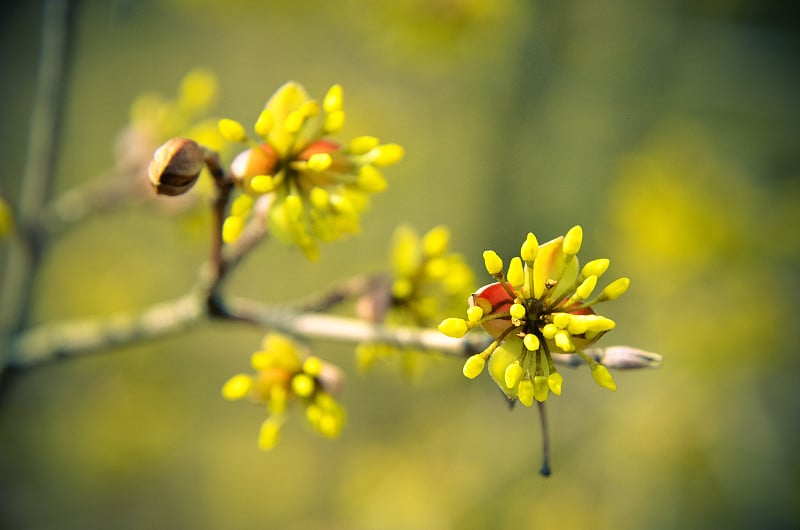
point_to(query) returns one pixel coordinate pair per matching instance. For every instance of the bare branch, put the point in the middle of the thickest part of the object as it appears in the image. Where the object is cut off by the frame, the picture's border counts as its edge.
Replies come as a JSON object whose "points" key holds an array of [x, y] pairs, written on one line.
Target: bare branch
{"points": [[23, 259]]}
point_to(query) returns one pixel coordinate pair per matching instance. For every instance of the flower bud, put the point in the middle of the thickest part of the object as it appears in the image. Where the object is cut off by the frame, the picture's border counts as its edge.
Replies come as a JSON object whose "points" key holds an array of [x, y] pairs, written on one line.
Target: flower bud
{"points": [[176, 166], [555, 381], [513, 374], [492, 262], [531, 342], [530, 248], [572, 241], [540, 388], [525, 392], [515, 274], [602, 377], [615, 289], [453, 327], [474, 366]]}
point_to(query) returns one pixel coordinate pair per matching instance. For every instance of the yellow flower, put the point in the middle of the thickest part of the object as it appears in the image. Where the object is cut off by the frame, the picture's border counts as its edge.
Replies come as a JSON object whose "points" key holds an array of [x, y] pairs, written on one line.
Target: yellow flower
{"points": [[284, 374], [319, 187], [540, 307], [427, 282]]}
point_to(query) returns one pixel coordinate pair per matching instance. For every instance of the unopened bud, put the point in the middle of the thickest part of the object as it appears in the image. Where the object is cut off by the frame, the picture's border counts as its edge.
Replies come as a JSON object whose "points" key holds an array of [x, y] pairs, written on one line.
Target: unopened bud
{"points": [[176, 166]]}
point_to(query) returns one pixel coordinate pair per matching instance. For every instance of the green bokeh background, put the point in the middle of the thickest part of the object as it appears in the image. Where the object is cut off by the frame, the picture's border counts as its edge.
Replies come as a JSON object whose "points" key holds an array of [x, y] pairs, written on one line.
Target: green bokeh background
{"points": [[669, 130]]}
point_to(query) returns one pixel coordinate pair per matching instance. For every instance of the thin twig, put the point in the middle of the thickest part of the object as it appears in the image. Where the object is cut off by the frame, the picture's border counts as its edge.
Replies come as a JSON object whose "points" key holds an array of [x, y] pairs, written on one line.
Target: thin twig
{"points": [[51, 342]]}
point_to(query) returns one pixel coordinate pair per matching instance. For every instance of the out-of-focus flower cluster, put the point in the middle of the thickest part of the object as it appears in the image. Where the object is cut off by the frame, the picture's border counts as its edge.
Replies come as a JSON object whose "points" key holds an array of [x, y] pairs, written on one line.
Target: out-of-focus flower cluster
{"points": [[285, 374], [155, 118], [318, 187], [427, 282], [540, 306], [161, 118]]}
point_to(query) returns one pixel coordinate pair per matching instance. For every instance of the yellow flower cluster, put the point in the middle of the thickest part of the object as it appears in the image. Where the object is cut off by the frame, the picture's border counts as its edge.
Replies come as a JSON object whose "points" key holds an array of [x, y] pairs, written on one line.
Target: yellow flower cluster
{"points": [[158, 118], [428, 281], [540, 306], [285, 374], [318, 187]]}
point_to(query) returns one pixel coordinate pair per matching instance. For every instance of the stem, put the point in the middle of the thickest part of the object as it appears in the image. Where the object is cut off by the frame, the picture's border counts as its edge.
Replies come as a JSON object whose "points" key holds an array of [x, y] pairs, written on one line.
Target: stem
{"points": [[24, 257], [545, 469], [72, 339]]}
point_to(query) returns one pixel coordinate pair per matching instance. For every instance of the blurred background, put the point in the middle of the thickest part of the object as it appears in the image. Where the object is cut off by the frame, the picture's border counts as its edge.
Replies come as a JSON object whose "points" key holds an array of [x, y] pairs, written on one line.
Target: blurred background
{"points": [[668, 129]]}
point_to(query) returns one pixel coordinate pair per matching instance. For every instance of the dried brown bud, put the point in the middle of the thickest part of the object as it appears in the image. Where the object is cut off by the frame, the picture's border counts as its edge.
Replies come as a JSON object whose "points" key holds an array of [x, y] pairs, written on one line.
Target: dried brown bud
{"points": [[176, 166]]}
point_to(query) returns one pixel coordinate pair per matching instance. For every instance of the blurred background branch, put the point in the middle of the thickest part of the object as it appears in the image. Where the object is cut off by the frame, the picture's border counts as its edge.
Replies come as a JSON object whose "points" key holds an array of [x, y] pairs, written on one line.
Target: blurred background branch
{"points": [[25, 254]]}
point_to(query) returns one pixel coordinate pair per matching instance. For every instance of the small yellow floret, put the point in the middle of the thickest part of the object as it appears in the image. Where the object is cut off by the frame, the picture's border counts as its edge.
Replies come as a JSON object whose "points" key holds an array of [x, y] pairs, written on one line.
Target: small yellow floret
{"points": [[312, 366], [513, 374], [278, 399], [515, 275], [403, 288], [387, 154], [598, 323], [540, 388], [232, 228], [474, 366], [334, 121], [319, 162], [232, 130], [237, 387], [303, 385], [334, 99], [436, 241], [454, 327], [602, 377], [269, 434], [525, 392], [586, 287], [554, 381], [530, 248], [262, 184], [264, 123], [563, 340], [474, 314], [242, 205], [293, 205], [615, 289], [319, 197], [370, 179], [294, 121], [596, 267], [531, 342], [492, 262], [517, 311], [361, 145], [561, 320], [578, 324], [549, 330], [572, 241]]}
